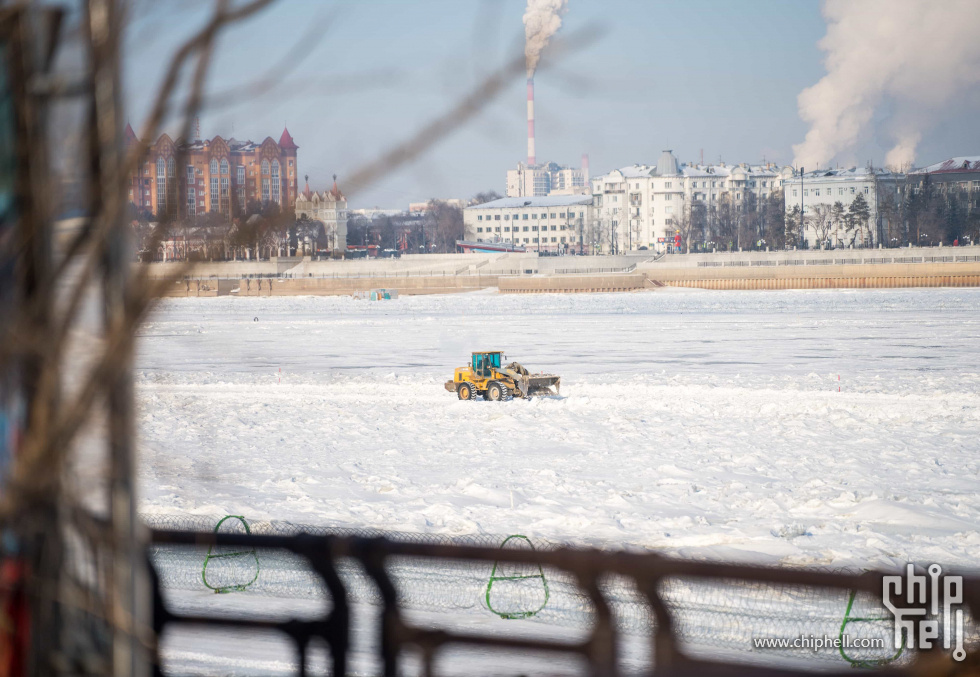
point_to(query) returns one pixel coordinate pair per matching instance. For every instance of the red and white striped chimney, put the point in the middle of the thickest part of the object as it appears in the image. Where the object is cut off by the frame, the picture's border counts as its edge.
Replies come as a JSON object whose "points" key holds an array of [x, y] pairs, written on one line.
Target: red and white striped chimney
{"points": [[530, 123]]}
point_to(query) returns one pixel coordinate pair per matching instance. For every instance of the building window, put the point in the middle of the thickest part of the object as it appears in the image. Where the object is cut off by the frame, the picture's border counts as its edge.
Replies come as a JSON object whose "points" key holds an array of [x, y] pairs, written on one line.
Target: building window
{"points": [[214, 166], [806, 192], [668, 184], [506, 229], [554, 216], [496, 217], [534, 216], [867, 191], [525, 230], [525, 218], [191, 201], [225, 202], [240, 174], [479, 217], [276, 197], [506, 217], [794, 192], [479, 230], [190, 175], [161, 183], [224, 166], [852, 190], [214, 193]]}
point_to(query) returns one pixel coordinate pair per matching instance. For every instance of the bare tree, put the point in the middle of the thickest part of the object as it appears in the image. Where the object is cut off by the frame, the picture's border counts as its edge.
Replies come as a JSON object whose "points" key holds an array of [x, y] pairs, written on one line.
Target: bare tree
{"points": [[443, 225], [486, 196], [822, 224]]}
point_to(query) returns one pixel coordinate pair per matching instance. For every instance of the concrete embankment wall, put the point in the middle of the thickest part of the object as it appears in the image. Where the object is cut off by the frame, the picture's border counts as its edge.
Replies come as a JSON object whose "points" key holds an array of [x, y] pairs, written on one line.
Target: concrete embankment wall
{"points": [[573, 283], [521, 273], [332, 286], [867, 276]]}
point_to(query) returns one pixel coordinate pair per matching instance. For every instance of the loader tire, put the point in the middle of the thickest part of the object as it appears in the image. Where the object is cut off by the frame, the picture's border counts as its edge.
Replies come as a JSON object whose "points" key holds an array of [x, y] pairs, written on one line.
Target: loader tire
{"points": [[466, 391], [497, 392]]}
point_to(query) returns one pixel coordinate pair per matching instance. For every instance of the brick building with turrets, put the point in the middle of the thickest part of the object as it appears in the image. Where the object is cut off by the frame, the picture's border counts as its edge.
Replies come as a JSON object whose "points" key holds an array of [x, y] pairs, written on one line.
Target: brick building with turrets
{"points": [[213, 175]]}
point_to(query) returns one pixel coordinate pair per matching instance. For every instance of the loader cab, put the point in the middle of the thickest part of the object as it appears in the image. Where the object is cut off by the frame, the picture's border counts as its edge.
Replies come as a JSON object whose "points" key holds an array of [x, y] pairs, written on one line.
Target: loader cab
{"points": [[484, 363]]}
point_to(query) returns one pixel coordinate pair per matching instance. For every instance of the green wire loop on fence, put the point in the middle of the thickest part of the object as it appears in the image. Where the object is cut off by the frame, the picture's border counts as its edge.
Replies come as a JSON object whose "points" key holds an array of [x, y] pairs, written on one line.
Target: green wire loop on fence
{"points": [[239, 587], [528, 613], [866, 662]]}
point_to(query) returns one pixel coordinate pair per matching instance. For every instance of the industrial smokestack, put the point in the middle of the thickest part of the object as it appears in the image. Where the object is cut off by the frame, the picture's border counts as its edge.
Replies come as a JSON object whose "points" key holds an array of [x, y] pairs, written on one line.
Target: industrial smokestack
{"points": [[530, 123], [542, 19]]}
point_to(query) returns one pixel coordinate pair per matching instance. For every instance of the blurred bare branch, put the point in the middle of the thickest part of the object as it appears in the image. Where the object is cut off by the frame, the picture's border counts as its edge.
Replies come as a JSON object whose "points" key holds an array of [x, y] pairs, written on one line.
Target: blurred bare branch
{"points": [[461, 113]]}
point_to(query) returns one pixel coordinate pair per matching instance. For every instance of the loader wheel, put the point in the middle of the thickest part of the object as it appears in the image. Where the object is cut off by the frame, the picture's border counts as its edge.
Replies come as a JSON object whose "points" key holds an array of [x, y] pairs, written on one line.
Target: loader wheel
{"points": [[497, 391], [466, 391]]}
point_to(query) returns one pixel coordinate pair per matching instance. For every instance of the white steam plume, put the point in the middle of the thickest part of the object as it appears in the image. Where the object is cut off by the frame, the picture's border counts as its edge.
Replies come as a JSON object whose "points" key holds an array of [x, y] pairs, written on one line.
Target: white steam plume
{"points": [[918, 54], [542, 19]]}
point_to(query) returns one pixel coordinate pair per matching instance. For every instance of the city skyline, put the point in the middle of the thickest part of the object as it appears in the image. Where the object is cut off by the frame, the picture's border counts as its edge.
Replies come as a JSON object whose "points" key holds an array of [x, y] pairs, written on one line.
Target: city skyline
{"points": [[719, 78]]}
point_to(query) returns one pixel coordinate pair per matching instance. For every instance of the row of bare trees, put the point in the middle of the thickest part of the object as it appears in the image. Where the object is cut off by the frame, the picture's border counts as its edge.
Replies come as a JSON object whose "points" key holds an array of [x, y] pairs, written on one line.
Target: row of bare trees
{"points": [[435, 230], [752, 223], [929, 214], [264, 232]]}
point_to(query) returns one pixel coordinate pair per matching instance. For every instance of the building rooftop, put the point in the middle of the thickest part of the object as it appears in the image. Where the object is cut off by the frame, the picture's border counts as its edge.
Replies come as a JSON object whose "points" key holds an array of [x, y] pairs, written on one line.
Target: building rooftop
{"points": [[855, 173], [966, 163], [667, 164], [549, 201]]}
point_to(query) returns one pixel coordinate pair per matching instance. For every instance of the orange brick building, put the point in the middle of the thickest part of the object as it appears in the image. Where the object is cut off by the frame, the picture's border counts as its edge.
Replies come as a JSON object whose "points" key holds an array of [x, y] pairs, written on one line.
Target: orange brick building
{"points": [[216, 175]]}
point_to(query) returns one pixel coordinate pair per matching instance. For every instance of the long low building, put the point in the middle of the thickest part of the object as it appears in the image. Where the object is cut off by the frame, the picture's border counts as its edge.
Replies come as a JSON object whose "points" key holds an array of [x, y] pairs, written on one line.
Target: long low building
{"points": [[556, 223]]}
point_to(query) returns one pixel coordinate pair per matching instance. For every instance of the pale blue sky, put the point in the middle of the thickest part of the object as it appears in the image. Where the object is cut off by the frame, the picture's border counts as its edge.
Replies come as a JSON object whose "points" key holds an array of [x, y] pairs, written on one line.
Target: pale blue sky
{"points": [[722, 76]]}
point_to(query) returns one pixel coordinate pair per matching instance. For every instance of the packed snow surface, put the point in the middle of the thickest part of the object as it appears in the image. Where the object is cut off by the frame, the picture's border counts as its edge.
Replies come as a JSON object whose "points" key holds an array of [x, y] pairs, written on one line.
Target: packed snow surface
{"points": [[827, 428]]}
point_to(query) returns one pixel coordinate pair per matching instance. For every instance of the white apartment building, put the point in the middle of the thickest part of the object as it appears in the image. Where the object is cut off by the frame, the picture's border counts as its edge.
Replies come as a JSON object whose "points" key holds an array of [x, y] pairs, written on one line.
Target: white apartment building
{"points": [[642, 205], [557, 223], [818, 191], [547, 179]]}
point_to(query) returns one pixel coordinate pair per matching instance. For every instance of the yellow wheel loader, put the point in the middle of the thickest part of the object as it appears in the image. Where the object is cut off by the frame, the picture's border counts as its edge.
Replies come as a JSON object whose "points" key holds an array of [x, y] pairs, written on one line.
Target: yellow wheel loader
{"points": [[486, 378]]}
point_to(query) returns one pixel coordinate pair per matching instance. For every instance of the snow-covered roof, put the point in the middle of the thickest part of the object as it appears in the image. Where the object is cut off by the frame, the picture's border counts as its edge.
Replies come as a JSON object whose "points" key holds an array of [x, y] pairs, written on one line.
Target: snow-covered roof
{"points": [[636, 171], [966, 163], [854, 173], [547, 201]]}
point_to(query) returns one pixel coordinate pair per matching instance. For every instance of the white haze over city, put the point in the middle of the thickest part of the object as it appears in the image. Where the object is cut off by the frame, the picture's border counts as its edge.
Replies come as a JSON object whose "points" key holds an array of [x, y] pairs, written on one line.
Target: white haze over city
{"points": [[820, 428], [921, 58]]}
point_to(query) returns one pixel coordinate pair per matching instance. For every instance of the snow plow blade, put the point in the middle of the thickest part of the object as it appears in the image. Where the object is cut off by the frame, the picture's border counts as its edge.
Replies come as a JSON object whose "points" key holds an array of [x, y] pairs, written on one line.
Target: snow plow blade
{"points": [[532, 384]]}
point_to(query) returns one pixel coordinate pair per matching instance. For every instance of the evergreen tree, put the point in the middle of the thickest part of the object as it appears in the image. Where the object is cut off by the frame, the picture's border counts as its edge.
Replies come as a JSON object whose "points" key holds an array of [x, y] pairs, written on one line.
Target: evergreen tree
{"points": [[857, 219]]}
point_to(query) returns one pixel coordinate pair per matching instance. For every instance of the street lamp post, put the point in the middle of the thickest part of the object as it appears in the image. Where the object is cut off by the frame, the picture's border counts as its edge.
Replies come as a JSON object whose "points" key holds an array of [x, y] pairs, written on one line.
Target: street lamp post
{"points": [[802, 227]]}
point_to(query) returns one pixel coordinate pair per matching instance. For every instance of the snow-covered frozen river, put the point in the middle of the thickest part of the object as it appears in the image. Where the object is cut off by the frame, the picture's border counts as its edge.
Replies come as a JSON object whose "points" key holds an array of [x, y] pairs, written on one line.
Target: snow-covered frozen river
{"points": [[830, 428]]}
